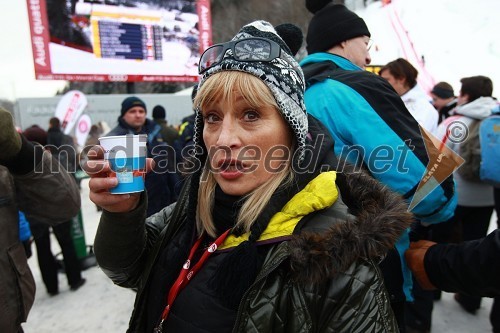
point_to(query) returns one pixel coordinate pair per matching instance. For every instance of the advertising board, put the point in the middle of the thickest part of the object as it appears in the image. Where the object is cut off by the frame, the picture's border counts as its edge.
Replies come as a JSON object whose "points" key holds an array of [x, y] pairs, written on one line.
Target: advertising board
{"points": [[119, 40]]}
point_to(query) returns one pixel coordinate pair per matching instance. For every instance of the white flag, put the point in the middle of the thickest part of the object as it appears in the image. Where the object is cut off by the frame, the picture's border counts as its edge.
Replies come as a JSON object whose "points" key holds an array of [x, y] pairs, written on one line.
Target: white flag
{"points": [[69, 108], [82, 129]]}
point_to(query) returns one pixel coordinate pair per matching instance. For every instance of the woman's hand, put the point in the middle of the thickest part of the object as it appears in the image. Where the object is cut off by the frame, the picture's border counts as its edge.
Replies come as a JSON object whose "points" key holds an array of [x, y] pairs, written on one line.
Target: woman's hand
{"points": [[100, 183]]}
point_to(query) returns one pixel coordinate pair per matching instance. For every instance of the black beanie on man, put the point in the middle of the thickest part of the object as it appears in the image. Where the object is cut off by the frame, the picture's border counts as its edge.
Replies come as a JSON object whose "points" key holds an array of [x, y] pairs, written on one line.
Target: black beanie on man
{"points": [[331, 25], [443, 90], [130, 102]]}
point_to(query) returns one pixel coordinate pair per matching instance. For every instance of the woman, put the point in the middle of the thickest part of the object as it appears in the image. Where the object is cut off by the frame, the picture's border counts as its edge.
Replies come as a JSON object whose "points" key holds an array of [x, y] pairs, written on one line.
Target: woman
{"points": [[402, 76], [288, 257]]}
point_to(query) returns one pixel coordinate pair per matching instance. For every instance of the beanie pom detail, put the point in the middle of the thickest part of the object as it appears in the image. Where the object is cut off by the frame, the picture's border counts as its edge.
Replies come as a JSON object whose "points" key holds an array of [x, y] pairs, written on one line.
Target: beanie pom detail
{"points": [[314, 6], [291, 35]]}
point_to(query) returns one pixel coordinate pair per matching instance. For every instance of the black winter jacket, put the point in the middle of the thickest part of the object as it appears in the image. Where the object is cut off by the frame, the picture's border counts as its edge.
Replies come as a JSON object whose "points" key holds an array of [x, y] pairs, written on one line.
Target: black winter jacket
{"points": [[322, 277], [471, 267]]}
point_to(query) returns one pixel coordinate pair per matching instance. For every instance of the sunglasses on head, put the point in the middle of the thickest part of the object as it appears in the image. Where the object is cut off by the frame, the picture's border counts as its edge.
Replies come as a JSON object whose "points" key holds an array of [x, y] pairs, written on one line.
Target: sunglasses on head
{"points": [[247, 49]]}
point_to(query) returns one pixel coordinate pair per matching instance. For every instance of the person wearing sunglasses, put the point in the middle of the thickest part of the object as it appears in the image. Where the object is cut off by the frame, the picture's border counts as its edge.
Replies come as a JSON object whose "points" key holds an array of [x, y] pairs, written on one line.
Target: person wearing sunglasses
{"points": [[265, 236], [364, 114]]}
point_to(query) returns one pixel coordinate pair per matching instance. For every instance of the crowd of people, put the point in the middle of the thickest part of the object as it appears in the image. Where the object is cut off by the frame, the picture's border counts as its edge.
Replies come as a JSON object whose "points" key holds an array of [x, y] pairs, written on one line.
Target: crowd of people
{"points": [[302, 211]]}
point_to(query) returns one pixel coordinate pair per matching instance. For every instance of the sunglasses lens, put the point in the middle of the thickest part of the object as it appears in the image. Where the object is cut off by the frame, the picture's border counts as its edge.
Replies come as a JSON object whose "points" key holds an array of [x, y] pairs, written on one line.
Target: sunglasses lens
{"points": [[252, 49], [211, 56]]}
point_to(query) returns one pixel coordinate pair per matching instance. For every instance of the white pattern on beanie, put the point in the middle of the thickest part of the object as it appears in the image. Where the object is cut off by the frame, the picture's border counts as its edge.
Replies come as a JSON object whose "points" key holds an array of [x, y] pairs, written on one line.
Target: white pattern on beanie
{"points": [[282, 75]]}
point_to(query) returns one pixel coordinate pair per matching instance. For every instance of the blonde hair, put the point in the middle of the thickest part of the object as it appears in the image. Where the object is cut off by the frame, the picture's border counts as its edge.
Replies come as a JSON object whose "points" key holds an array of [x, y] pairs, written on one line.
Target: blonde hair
{"points": [[221, 86], [253, 90]]}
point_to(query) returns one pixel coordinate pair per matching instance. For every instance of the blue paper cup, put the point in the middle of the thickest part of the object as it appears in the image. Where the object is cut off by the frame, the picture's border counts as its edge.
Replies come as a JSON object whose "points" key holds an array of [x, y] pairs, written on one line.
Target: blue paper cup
{"points": [[127, 158]]}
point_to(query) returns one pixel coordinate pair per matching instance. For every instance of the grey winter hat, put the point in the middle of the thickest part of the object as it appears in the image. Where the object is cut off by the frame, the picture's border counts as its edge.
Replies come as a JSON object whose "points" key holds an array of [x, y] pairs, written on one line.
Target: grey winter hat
{"points": [[278, 70]]}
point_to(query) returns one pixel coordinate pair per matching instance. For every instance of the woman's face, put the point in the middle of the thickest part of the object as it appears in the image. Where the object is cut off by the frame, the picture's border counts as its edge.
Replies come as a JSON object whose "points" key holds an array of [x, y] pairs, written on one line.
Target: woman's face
{"points": [[246, 145]]}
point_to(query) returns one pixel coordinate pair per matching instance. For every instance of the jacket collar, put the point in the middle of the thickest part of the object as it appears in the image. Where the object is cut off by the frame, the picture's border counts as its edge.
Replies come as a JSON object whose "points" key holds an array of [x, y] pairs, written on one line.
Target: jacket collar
{"points": [[319, 194], [160, 121], [324, 56], [147, 128], [366, 229]]}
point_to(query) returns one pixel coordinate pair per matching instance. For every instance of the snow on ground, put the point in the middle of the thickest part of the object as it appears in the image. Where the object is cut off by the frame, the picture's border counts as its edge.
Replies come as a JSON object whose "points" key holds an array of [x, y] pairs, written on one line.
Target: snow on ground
{"points": [[458, 38], [98, 306]]}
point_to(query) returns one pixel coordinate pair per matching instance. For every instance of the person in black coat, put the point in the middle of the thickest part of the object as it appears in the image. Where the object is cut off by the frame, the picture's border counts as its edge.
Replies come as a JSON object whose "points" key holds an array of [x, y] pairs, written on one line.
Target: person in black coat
{"points": [[27, 183], [471, 267], [62, 148]]}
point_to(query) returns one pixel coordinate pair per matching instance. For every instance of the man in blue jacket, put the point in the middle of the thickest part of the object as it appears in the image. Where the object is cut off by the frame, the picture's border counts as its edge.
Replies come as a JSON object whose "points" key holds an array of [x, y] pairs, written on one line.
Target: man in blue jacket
{"points": [[161, 182], [370, 125]]}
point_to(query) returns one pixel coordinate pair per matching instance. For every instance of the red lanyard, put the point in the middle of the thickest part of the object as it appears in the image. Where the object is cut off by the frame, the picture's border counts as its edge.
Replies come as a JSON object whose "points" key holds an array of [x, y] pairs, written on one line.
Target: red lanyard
{"points": [[187, 274]]}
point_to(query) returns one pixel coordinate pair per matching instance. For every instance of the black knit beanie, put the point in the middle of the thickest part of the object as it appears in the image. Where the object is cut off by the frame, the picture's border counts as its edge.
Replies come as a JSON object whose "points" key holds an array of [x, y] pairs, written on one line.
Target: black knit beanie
{"points": [[159, 112], [443, 90], [130, 102], [331, 25]]}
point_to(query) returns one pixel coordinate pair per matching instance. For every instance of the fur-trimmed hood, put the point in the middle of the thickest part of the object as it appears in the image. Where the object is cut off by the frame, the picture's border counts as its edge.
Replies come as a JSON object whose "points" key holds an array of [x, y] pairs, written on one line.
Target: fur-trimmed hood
{"points": [[379, 217], [332, 239]]}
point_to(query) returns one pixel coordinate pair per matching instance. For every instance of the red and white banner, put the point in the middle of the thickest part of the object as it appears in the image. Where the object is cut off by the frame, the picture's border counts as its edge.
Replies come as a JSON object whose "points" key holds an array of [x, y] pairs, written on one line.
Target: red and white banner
{"points": [[39, 28], [424, 78], [82, 129], [69, 109]]}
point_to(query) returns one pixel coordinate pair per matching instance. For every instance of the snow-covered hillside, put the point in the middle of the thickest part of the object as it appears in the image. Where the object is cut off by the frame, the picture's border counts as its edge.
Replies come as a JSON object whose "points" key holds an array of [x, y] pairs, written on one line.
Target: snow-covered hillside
{"points": [[457, 38]]}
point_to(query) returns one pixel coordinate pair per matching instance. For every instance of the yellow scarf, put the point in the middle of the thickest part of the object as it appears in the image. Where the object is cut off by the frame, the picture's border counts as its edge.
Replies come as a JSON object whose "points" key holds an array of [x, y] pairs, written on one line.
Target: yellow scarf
{"points": [[319, 194]]}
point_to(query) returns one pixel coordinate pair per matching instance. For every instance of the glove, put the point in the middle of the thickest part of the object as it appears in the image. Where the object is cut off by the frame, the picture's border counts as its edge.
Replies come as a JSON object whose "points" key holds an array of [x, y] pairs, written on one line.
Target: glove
{"points": [[415, 259], [10, 140]]}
